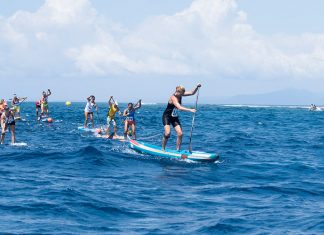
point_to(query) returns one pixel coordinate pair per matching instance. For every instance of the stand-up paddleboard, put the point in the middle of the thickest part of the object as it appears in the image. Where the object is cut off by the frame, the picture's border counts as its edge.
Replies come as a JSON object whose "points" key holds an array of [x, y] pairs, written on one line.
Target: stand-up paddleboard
{"points": [[168, 153], [20, 119], [19, 144], [91, 130], [47, 119], [111, 137]]}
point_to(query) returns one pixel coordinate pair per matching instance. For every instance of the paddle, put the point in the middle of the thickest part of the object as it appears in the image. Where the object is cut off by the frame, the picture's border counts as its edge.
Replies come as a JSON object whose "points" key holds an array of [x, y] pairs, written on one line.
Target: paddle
{"points": [[23, 100], [99, 121], [193, 122], [112, 98]]}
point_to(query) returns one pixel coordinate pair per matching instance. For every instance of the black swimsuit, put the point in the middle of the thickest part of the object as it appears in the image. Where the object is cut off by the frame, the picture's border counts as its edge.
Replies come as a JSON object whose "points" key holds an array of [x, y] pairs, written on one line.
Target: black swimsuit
{"points": [[10, 120], [170, 115]]}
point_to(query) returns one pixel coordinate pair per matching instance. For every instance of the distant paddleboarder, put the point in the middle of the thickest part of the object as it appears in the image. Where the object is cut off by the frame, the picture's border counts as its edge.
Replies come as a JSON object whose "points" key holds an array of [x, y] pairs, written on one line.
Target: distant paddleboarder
{"points": [[44, 102], [170, 115], [89, 109], [3, 104], [7, 120], [129, 114], [313, 107], [113, 109], [38, 107], [15, 103]]}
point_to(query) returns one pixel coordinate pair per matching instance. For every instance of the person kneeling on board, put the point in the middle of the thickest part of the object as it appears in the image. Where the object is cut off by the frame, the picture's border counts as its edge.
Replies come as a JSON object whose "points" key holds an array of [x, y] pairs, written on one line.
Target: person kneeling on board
{"points": [[170, 115], [129, 115]]}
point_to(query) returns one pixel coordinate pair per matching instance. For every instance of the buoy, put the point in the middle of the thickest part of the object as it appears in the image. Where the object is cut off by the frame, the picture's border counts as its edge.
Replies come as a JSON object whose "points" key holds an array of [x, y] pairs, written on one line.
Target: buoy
{"points": [[68, 103], [50, 120]]}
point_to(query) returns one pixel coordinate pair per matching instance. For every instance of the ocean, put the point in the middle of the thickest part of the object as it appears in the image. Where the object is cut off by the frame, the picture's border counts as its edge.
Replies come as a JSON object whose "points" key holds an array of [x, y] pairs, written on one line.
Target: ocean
{"points": [[269, 179]]}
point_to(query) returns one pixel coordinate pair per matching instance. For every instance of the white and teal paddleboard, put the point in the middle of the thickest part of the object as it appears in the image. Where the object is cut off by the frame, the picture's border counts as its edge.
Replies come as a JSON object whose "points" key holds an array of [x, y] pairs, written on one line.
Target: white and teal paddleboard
{"points": [[168, 153], [91, 130]]}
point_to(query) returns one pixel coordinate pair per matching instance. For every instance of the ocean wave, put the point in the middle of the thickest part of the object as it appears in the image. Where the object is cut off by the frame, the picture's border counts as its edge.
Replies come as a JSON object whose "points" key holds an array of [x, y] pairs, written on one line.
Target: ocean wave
{"points": [[268, 180]]}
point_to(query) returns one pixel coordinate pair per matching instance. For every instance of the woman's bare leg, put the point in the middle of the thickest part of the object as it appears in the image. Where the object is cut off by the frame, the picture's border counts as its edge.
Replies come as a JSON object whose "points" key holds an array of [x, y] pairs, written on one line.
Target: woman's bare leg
{"points": [[167, 131], [125, 130], [134, 131], [85, 119], [13, 137], [178, 129]]}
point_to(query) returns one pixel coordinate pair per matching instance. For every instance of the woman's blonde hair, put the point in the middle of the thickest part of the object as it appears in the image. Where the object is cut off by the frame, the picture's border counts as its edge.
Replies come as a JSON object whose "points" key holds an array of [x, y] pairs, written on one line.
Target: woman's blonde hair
{"points": [[180, 89]]}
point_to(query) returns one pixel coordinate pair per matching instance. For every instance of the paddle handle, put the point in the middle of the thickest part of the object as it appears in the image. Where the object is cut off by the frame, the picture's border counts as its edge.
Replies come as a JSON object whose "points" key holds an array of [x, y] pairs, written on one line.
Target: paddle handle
{"points": [[112, 98]]}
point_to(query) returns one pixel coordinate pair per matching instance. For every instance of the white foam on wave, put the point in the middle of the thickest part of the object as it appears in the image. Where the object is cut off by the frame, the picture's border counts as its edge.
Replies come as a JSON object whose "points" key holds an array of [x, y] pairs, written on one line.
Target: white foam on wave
{"points": [[317, 109]]}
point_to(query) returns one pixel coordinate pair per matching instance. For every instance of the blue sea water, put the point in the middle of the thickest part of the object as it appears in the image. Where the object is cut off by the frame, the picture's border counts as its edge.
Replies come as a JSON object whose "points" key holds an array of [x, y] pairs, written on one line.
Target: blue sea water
{"points": [[269, 179]]}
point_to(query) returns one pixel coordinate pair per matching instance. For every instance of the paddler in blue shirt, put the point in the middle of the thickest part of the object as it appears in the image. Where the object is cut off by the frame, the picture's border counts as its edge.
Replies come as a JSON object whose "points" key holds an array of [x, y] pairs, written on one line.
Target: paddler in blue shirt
{"points": [[129, 115], [170, 115], [90, 107]]}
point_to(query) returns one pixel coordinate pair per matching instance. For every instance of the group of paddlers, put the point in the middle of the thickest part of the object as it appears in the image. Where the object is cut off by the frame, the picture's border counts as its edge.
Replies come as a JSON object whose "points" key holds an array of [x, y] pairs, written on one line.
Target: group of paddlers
{"points": [[169, 117]]}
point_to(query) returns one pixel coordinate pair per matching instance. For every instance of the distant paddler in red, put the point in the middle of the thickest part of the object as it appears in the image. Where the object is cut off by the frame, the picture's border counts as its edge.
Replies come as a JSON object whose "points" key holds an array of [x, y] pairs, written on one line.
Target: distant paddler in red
{"points": [[170, 115], [38, 107]]}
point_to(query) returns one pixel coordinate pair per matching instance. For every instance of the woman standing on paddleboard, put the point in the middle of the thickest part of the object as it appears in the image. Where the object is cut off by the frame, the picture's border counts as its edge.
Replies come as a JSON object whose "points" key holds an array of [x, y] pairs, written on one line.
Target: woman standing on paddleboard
{"points": [[7, 120], [44, 102], [90, 107], [15, 103], [170, 115], [129, 115]]}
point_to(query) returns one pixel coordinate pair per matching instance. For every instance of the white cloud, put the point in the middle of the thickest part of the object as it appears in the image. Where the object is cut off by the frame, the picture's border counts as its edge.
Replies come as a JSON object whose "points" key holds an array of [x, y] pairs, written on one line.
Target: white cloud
{"points": [[209, 38]]}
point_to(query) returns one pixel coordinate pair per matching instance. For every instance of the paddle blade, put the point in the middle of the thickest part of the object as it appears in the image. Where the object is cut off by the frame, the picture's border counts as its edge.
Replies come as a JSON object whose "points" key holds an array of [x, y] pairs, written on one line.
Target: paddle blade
{"points": [[190, 149]]}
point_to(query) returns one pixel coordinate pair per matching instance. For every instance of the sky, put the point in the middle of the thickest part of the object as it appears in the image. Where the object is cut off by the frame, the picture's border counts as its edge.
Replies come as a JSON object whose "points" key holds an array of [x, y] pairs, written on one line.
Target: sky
{"points": [[136, 49]]}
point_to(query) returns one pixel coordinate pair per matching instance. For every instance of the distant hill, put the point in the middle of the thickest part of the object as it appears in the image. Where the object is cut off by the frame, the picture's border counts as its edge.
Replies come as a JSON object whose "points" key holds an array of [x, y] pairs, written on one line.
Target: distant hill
{"points": [[282, 97]]}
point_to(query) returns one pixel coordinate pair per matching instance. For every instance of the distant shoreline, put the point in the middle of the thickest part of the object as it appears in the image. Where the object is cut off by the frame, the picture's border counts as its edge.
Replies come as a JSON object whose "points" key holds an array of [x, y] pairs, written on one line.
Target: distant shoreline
{"points": [[202, 103]]}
